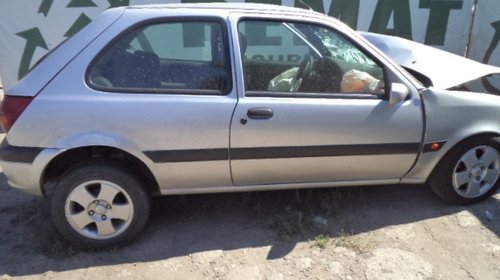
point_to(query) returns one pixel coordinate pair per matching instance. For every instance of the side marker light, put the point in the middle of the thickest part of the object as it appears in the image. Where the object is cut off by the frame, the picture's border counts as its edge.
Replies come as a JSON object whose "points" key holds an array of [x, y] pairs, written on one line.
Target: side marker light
{"points": [[435, 146]]}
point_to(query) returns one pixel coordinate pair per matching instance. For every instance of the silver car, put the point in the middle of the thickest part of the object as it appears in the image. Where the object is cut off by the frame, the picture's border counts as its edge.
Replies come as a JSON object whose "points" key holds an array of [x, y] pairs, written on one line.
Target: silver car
{"points": [[205, 98]]}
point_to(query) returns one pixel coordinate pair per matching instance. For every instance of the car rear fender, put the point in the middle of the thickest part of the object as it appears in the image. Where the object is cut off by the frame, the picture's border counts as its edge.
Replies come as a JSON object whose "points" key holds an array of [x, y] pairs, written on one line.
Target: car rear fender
{"points": [[99, 146]]}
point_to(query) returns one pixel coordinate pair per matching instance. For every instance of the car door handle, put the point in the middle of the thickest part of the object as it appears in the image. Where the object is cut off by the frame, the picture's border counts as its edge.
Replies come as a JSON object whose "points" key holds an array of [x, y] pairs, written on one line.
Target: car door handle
{"points": [[260, 113]]}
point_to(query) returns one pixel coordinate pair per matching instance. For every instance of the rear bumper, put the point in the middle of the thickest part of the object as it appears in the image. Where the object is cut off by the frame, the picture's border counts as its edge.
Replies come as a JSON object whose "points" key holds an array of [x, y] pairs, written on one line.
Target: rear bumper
{"points": [[24, 166]]}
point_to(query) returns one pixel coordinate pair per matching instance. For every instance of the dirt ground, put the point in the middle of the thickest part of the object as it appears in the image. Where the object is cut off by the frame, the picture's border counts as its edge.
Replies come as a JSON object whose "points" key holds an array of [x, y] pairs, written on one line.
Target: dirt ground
{"points": [[390, 232]]}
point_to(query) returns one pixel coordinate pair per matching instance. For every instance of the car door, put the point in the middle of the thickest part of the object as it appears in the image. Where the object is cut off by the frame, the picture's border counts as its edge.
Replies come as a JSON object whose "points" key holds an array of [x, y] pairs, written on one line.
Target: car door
{"points": [[303, 117]]}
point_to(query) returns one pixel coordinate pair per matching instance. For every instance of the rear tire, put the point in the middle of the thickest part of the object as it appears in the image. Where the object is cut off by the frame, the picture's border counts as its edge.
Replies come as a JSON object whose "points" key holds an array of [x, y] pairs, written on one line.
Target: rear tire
{"points": [[469, 173], [99, 205]]}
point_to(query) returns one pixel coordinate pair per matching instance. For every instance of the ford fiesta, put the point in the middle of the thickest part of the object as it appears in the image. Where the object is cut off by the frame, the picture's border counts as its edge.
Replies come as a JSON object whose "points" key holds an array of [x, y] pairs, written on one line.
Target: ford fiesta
{"points": [[197, 98]]}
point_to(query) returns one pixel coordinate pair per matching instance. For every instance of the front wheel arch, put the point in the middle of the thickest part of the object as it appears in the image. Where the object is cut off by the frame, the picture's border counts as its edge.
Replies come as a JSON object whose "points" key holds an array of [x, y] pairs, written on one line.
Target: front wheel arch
{"points": [[442, 180]]}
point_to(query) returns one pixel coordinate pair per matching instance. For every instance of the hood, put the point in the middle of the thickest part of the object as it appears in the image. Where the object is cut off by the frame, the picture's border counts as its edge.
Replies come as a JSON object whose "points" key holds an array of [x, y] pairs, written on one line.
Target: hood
{"points": [[444, 69]]}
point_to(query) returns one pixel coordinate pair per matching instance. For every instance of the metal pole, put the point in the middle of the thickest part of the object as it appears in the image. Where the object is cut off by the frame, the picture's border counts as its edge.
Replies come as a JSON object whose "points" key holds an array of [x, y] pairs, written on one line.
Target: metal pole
{"points": [[469, 37]]}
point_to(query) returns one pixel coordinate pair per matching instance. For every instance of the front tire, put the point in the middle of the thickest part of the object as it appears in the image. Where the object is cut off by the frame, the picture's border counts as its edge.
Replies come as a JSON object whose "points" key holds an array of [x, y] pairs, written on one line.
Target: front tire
{"points": [[469, 173], [98, 206]]}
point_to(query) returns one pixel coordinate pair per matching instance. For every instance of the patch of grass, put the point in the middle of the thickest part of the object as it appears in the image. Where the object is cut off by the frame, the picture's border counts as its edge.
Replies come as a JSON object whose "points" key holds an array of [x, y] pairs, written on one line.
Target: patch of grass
{"points": [[347, 240], [288, 225], [291, 213], [321, 241], [344, 239]]}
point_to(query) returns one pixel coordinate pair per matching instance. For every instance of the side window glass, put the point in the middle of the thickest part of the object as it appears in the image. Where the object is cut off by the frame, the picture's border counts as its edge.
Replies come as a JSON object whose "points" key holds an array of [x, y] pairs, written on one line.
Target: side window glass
{"points": [[305, 58], [269, 50], [184, 57]]}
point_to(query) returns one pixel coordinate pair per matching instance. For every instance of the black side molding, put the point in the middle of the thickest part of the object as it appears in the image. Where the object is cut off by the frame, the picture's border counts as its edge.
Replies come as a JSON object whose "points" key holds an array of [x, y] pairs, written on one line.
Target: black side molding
{"points": [[251, 153], [324, 151], [18, 154], [188, 155]]}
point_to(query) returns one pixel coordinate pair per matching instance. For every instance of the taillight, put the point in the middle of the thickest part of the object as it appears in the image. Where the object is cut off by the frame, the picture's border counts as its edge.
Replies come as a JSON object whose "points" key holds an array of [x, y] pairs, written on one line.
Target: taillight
{"points": [[12, 107]]}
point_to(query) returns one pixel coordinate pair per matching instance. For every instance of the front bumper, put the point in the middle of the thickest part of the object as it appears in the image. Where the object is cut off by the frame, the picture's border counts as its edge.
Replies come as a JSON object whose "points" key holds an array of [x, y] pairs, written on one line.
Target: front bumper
{"points": [[24, 166]]}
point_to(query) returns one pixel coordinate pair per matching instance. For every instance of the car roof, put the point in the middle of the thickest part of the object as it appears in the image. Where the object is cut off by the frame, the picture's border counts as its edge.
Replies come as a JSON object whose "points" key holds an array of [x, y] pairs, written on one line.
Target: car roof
{"points": [[224, 9], [222, 6], [229, 7]]}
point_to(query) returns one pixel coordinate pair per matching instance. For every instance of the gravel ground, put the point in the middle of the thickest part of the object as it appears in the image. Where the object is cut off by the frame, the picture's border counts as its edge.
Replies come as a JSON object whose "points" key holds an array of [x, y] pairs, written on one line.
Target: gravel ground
{"points": [[389, 232]]}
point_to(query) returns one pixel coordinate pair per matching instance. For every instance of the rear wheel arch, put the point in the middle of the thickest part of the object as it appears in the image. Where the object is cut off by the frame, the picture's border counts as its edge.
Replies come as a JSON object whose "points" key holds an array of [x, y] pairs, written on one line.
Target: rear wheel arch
{"points": [[103, 154]]}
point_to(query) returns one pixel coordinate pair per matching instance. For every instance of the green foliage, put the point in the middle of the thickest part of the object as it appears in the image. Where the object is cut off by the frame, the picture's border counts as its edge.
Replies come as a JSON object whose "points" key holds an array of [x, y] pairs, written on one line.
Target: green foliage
{"points": [[321, 241]]}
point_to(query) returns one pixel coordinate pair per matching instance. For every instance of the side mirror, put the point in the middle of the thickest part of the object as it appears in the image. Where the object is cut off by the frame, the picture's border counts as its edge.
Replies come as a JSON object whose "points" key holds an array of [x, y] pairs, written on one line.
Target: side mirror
{"points": [[398, 93]]}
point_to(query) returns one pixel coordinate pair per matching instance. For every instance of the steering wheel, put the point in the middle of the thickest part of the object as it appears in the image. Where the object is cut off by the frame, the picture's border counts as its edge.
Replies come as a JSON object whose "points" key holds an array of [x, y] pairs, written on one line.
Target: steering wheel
{"points": [[305, 69]]}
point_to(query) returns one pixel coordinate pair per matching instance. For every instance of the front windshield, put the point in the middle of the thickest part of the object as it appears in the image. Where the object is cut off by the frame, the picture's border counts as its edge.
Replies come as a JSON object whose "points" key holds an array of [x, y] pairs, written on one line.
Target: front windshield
{"points": [[340, 48], [333, 44]]}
